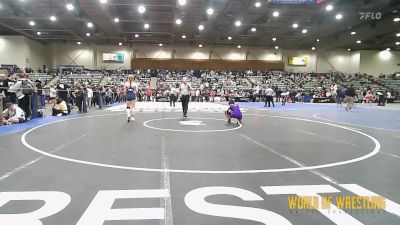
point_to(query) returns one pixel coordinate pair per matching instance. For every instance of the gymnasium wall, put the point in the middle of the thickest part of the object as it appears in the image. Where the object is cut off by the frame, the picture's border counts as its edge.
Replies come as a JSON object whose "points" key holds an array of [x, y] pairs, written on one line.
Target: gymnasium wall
{"points": [[347, 62], [22, 51], [371, 62], [71, 54], [26, 52], [37, 54]]}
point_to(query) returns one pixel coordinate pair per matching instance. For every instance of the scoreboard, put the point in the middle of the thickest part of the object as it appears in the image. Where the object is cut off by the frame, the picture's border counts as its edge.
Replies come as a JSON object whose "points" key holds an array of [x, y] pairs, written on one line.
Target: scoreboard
{"points": [[113, 57]]}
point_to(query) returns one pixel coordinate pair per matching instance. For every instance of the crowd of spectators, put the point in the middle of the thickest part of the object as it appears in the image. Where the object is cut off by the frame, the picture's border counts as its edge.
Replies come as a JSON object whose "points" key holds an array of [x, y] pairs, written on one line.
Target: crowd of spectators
{"points": [[72, 91]]}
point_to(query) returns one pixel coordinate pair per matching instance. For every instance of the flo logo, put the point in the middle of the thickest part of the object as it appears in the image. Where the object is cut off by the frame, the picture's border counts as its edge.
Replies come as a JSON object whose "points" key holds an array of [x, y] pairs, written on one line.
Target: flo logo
{"points": [[370, 15]]}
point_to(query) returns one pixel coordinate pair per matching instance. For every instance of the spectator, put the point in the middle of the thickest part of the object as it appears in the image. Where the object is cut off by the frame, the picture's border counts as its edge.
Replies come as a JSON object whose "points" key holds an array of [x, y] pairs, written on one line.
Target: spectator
{"points": [[173, 95], [39, 91], [53, 95], [10, 96], [60, 108], [13, 114], [62, 90], [3, 89], [23, 89], [90, 96], [79, 96], [149, 93]]}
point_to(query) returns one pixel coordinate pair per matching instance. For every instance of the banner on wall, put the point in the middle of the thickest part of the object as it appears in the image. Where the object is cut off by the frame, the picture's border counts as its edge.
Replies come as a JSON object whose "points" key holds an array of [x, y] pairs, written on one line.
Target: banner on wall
{"points": [[298, 61], [113, 57]]}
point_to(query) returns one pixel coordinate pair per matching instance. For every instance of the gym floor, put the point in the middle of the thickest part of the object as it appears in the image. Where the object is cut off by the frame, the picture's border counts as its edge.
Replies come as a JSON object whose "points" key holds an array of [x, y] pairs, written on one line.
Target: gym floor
{"points": [[274, 151]]}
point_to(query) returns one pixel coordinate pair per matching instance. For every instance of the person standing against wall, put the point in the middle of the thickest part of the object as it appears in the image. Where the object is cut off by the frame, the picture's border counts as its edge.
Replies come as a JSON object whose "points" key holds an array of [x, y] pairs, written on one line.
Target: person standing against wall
{"points": [[185, 89]]}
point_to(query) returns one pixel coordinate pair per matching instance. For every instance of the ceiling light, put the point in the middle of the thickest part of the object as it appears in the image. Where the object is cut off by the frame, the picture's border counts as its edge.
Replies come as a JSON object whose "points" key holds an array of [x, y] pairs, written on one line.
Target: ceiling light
{"points": [[229, 38], [70, 7], [200, 45], [276, 47], [183, 36], [385, 55], [146, 26], [238, 23], [116, 20], [398, 35], [141, 9], [210, 11], [353, 33], [90, 25], [182, 2], [295, 25], [273, 39], [313, 48], [339, 16], [160, 44], [201, 27], [120, 44], [257, 4], [358, 42], [275, 14], [32, 23], [348, 49], [397, 19], [239, 46], [136, 35], [253, 29], [78, 42], [53, 18], [329, 7], [178, 21], [304, 31], [317, 40], [87, 34], [397, 43], [38, 33], [103, 1]]}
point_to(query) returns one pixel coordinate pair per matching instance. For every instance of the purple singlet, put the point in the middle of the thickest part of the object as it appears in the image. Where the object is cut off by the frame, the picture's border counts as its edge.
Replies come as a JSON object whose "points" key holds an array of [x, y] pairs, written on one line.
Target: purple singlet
{"points": [[235, 112]]}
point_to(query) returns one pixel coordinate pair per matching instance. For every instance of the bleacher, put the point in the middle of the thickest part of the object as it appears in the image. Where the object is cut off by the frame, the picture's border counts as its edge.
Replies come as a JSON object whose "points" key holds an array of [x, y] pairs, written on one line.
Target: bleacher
{"points": [[94, 79], [43, 77], [391, 84]]}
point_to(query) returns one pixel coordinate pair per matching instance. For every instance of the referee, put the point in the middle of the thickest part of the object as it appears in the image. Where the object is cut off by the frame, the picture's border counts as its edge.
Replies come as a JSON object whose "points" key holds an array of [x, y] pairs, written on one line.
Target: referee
{"points": [[185, 89], [269, 97]]}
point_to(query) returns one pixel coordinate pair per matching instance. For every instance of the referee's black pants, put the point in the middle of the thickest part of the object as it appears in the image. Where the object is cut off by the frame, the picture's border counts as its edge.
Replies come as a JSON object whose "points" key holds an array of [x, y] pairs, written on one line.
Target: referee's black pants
{"points": [[269, 99], [185, 103]]}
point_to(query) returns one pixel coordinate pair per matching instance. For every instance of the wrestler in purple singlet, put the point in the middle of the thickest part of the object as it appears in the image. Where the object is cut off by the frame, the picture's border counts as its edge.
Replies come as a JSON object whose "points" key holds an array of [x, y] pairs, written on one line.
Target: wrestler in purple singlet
{"points": [[235, 111]]}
